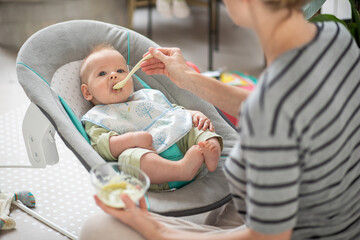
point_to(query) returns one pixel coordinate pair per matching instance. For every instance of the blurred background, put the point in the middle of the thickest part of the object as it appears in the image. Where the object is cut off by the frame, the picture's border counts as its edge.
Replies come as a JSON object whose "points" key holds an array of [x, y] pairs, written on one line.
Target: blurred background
{"points": [[19, 19], [206, 35]]}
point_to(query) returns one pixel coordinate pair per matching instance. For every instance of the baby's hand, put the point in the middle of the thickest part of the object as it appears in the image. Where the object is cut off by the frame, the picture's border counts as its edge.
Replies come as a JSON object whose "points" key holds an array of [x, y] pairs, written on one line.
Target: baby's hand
{"points": [[143, 140], [201, 121]]}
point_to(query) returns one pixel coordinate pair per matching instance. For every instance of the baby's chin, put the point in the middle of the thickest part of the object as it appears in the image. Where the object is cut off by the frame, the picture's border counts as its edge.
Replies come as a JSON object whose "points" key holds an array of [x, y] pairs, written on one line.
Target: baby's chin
{"points": [[118, 99], [116, 90]]}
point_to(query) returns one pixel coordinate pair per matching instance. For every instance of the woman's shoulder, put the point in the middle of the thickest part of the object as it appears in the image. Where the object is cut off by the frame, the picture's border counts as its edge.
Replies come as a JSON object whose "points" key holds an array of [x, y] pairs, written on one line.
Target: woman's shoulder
{"points": [[332, 45], [305, 76], [330, 29]]}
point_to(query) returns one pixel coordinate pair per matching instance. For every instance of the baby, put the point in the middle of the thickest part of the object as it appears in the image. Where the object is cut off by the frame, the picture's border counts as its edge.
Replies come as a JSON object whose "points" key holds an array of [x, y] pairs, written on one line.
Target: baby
{"points": [[142, 128]]}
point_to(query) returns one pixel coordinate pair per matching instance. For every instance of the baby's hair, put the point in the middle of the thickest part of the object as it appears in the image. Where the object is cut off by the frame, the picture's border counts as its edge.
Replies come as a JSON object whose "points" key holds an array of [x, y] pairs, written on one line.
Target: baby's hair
{"points": [[96, 48], [100, 47]]}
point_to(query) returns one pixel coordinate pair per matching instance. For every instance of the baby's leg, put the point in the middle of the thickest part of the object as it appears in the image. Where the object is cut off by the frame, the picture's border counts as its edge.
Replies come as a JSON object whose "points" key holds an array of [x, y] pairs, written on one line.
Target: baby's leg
{"points": [[161, 170], [211, 150]]}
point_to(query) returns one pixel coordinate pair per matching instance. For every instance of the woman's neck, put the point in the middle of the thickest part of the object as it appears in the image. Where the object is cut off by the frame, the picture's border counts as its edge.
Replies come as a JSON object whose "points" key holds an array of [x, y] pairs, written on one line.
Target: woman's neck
{"points": [[280, 31]]}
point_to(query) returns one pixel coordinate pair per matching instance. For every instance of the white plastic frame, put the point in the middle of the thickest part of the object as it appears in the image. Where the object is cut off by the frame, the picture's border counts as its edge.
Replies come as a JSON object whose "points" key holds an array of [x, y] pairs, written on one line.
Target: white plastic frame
{"points": [[38, 135]]}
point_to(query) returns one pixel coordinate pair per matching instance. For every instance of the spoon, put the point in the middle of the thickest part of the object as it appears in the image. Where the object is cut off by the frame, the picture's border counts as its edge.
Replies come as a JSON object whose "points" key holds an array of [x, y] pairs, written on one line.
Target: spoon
{"points": [[137, 66]]}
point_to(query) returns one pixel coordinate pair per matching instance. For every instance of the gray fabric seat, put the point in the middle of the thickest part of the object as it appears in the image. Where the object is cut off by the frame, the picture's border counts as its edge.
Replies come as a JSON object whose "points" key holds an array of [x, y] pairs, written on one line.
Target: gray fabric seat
{"points": [[50, 49]]}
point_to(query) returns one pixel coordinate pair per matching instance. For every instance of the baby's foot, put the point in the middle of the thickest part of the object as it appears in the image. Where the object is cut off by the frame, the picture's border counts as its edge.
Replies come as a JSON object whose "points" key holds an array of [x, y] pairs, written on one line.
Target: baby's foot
{"points": [[211, 152], [191, 162]]}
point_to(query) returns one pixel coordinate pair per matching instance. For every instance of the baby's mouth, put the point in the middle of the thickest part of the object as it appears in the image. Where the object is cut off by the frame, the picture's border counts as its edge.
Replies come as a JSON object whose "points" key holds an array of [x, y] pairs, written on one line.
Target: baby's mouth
{"points": [[115, 90]]}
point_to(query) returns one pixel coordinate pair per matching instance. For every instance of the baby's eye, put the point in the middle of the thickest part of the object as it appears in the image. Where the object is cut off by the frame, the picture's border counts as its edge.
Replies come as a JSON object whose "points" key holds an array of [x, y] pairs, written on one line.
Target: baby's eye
{"points": [[102, 73], [120, 71]]}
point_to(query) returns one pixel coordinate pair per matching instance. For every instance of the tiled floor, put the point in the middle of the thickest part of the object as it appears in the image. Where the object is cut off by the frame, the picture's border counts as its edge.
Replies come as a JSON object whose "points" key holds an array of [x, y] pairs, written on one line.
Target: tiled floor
{"points": [[67, 207], [239, 50]]}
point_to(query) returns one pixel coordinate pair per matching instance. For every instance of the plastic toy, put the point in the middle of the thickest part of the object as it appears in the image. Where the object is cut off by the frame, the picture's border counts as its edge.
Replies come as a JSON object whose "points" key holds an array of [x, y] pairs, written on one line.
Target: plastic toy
{"points": [[26, 197]]}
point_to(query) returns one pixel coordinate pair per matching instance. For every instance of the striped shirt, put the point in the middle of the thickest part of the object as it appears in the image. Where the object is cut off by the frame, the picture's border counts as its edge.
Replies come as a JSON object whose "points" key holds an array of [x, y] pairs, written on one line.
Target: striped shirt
{"points": [[297, 162]]}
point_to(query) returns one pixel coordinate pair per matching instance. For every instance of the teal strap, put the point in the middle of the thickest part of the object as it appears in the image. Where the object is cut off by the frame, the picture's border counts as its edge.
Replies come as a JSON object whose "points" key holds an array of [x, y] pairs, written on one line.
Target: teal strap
{"points": [[179, 184], [173, 153], [147, 202], [74, 119], [20, 63], [128, 47], [128, 62], [142, 82]]}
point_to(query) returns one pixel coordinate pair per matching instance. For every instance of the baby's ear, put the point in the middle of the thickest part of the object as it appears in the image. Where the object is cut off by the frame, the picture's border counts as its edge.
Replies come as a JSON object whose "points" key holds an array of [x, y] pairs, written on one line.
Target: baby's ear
{"points": [[85, 92]]}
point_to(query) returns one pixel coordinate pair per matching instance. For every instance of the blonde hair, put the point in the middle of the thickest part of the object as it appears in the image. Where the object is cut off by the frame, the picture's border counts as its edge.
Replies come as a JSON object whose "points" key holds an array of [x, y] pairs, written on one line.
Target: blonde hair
{"points": [[289, 4], [95, 49]]}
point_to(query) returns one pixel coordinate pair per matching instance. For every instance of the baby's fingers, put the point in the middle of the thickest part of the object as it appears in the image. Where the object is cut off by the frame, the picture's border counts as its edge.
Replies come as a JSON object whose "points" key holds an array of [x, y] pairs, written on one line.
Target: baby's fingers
{"points": [[202, 122], [196, 120], [206, 125], [211, 127]]}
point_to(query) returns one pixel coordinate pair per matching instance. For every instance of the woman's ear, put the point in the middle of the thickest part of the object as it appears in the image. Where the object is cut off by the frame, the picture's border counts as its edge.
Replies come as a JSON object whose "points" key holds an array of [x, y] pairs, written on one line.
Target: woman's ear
{"points": [[85, 92]]}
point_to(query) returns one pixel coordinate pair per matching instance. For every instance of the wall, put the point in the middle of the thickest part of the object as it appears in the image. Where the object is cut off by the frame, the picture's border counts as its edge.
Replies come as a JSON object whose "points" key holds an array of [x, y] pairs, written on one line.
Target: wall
{"points": [[339, 8], [19, 19]]}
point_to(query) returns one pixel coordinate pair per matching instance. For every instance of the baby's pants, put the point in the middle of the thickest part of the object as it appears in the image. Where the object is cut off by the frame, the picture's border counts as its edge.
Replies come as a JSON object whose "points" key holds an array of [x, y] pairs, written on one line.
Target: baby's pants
{"points": [[132, 156]]}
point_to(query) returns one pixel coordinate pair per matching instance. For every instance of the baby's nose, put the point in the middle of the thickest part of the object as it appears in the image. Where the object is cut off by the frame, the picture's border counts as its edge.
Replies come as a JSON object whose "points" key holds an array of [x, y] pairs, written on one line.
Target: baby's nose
{"points": [[113, 76]]}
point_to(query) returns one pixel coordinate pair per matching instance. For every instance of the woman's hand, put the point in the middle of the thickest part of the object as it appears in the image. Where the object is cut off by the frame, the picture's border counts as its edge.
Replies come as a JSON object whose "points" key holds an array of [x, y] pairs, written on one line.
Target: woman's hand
{"points": [[169, 62], [201, 121], [138, 218]]}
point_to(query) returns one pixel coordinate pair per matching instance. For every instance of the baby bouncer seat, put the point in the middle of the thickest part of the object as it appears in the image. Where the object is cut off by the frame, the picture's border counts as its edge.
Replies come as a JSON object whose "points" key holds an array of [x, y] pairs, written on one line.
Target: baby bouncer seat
{"points": [[48, 69]]}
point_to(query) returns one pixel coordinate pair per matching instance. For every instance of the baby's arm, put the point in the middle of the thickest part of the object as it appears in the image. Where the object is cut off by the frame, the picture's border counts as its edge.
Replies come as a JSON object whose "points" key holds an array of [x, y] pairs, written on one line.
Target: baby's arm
{"points": [[201, 121], [100, 140], [119, 143]]}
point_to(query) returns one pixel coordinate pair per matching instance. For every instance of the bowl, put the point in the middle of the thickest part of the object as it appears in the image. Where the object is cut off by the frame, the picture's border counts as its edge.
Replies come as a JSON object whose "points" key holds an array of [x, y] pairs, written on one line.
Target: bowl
{"points": [[110, 180]]}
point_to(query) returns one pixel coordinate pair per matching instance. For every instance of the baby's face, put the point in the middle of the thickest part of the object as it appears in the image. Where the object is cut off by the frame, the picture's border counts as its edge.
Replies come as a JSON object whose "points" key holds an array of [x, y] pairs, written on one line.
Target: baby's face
{"points": [[104, 69]]}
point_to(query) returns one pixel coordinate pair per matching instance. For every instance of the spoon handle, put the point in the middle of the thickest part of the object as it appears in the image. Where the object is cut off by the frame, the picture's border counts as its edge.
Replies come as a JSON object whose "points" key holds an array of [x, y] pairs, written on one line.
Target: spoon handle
{"points": [[135, 68]]}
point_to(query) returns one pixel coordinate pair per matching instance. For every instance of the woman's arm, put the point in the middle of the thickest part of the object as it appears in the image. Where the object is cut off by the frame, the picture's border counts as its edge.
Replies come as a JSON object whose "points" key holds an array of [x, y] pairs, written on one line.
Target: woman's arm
{"points": [[244, 234], [143, 222], [222, 96], [171, 63]]}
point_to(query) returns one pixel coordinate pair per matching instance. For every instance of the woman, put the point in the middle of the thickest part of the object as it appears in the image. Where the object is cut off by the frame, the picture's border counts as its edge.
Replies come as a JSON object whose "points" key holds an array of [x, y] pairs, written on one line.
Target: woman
{"points": [[296, 172]]}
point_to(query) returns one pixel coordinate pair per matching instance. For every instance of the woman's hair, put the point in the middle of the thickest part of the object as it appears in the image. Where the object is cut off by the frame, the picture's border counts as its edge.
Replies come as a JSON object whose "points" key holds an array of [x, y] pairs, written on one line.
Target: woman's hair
{"points": [[290, 4]]}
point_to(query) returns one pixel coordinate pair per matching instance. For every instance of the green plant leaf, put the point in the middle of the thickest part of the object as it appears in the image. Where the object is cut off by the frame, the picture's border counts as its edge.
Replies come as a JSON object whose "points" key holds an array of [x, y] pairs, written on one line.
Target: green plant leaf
{"points": [[327, 17], [352, 30], [355, 19]]}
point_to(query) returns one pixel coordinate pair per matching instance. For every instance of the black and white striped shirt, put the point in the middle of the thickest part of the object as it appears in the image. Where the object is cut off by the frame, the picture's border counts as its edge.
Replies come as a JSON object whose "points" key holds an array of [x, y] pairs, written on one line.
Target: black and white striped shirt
{"points": [[297, 163]]}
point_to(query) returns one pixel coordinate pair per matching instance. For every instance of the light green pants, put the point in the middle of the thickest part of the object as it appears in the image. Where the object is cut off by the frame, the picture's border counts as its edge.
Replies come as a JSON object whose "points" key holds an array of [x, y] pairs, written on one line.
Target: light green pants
{"points": [[132, 156]]}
